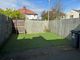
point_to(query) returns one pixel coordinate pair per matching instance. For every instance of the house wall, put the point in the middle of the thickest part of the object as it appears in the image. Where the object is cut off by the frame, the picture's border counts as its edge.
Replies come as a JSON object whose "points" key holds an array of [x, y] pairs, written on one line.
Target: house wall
{"points": [[31, 16], [74, 13]]}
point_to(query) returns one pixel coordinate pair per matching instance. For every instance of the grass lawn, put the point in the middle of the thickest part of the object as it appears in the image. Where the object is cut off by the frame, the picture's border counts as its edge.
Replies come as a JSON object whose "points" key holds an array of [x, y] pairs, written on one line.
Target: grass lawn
{"points": [[24, 42]]}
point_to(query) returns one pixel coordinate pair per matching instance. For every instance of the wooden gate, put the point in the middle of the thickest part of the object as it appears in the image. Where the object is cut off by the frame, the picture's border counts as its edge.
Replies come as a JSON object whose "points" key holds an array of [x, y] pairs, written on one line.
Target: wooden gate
{"points": [[19, 26]]}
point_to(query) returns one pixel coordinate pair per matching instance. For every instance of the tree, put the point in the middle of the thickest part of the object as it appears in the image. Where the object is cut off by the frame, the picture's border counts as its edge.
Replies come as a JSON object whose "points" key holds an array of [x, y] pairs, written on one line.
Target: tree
{"points": [[55, 13], [58, 9], [8, 12], [1, 11], [44, 15], [14, 14], [17, 15]]}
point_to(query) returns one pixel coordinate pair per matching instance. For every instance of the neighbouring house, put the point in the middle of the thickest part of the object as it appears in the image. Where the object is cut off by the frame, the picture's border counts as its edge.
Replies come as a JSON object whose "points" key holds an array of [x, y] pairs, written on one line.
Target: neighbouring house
{"points": [[62, 14], [29, 14], [73, 14]]}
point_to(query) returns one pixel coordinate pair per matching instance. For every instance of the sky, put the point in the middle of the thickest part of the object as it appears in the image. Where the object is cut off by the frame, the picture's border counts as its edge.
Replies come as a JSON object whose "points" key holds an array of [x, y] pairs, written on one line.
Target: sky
{"points": [[39, 5]]}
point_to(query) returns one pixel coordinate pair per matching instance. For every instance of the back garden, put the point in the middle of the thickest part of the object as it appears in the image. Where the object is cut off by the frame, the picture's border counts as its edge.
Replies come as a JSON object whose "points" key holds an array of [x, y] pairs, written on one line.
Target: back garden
{"points": [[48, 45], [22, 42]]}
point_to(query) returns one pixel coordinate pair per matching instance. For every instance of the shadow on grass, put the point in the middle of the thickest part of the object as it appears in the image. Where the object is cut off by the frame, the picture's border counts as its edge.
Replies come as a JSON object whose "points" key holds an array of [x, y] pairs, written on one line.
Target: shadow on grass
{"points": [[24, 44]]}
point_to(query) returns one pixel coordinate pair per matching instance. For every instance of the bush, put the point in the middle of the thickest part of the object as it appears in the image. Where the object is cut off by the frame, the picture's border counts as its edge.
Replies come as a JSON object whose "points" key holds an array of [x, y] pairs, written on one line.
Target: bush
{"points": [[46, 30], [14, 14]]}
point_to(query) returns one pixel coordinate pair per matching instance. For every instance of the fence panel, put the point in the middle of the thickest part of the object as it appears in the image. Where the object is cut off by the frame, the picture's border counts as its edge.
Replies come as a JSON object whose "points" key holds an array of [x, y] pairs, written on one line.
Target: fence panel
{"points": [[19, 26], [35, 26], [64, 27]]}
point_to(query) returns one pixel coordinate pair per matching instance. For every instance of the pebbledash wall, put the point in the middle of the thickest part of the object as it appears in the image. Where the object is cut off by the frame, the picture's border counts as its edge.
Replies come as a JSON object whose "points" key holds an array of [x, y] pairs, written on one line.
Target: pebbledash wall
{"points": [[5, 28], [60, 27]]}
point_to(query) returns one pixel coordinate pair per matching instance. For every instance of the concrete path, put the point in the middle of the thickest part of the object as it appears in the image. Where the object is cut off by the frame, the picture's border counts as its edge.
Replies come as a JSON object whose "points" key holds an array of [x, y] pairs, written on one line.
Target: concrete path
{"points": [[51, 53]]}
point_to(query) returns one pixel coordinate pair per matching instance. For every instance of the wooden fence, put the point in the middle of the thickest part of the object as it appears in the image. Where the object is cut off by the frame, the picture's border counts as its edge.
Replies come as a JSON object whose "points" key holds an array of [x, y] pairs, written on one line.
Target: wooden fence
{"points": [[61, 27], [64, 27], [33, 26], [19, 26]]}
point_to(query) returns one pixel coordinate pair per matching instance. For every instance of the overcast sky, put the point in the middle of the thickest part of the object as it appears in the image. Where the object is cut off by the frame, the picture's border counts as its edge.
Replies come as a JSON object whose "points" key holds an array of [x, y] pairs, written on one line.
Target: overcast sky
{"points": [[39, 5]]}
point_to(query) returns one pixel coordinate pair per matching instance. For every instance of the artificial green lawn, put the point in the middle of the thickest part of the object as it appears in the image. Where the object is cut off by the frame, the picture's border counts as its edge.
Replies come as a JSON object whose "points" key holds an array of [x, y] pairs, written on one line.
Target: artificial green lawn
{"points": [[23, 42]]}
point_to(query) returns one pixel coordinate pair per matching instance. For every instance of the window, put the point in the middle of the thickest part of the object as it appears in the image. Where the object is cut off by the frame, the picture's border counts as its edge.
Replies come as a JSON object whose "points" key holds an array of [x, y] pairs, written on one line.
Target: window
{"points": [[71, 16], [79, 15]]}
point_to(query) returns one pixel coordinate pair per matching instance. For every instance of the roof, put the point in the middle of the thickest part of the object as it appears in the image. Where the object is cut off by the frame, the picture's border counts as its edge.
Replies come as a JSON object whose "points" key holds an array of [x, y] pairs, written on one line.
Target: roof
{"points": [[26, 11], [62, 14], [77, 11]]}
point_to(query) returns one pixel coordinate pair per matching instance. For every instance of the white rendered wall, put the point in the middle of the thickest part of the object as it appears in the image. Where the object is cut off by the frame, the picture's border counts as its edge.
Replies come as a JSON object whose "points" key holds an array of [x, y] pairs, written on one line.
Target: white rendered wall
{"points": [[31, 16]]}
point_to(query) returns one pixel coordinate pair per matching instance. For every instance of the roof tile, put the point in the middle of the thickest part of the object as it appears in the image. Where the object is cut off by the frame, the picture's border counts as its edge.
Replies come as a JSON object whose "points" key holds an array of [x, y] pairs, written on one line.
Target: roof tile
{"points": [[27, 11]]}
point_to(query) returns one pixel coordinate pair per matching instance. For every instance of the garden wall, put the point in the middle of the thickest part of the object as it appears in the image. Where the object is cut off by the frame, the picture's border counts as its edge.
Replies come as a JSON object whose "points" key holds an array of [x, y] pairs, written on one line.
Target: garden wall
{"points": [[5, 28], [64, 27]]}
